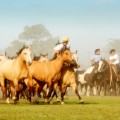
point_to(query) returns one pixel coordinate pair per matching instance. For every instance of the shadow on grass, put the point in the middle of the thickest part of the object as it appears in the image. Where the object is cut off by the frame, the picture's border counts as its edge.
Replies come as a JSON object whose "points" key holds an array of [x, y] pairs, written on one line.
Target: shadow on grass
{"points": [[24, 102]]}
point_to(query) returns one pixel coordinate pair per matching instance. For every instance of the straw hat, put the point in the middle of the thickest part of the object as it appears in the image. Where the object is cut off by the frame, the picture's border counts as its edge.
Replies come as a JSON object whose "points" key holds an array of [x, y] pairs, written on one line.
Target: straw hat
{"points": [[65, 39]]}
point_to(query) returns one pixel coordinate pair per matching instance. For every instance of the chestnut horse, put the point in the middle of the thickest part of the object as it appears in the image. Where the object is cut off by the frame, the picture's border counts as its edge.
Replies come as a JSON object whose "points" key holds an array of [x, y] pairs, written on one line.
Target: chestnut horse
{"points": [[48, 72], [35, 85], [68, 78], [15, 70]]}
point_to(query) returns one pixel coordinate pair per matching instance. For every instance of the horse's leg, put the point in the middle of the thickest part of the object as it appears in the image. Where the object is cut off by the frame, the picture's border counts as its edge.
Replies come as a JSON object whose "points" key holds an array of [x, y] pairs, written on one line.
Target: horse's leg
{"points": [[75, 88], [63, 90], [3, 88], [88, 90], [29, 85], [38, 90], [16, 97], [54, 92]]}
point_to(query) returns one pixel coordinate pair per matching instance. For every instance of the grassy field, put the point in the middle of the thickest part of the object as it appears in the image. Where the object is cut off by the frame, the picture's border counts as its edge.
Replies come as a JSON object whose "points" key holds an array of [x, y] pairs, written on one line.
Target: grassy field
{"points": [[95, 108]]}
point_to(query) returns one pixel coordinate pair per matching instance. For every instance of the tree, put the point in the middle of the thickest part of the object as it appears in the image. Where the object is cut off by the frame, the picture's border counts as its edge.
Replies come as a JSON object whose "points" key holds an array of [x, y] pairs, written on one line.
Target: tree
{"points": [[35, 32], [112, 44], [37, 36]]}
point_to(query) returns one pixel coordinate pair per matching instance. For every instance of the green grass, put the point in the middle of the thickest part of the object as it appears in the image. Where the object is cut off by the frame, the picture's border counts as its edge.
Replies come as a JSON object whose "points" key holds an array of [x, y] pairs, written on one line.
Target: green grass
{"points": [[95, 108]]}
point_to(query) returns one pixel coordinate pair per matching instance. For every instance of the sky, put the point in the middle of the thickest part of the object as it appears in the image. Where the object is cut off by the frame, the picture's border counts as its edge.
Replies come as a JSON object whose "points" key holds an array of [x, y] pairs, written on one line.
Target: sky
{"points": [[88, 23]]}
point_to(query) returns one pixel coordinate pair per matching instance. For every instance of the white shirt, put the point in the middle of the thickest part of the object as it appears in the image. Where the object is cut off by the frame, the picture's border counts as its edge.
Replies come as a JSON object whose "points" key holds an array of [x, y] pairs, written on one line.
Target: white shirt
{"points": [[59, 47], [115, 56]]}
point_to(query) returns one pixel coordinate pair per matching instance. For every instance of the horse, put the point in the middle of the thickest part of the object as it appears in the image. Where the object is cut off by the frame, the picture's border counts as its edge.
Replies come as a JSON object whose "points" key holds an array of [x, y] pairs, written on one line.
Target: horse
{"points": [[48, 72], [35, 85], [109, 77], [15, 70], [88, 77], [68, 78]]}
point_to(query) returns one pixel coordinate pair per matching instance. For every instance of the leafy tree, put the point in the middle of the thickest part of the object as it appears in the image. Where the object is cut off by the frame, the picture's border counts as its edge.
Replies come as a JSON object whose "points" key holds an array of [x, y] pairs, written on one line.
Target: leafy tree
{"points": [[112, 44], [37, 36], [34, 32]]}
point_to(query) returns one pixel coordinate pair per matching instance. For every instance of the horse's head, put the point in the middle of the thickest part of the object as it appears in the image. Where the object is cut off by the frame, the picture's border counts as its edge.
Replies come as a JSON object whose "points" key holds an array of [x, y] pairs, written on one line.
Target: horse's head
{"points": [[66, 56], [44, 58], [75, 60], [25, 54], [103, 64]]}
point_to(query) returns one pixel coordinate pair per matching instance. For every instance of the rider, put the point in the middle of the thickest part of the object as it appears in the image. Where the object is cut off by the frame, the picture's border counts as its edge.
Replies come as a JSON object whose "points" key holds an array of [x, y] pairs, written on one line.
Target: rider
{"points": [[59, 47], [114, 60], [96, 57]]}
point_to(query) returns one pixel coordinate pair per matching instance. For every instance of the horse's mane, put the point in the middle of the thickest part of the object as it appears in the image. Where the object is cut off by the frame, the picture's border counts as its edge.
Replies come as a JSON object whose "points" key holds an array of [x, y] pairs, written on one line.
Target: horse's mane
{"points": [[36, 58], [19, 52], [43, 55]]}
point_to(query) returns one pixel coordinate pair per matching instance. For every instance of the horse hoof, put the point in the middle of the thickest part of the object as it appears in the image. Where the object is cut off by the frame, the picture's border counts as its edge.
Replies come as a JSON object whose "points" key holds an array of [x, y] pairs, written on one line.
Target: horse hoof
{"points": [[62, 103], [81, 101], [36, 100], [14, 98], [8, 101]]}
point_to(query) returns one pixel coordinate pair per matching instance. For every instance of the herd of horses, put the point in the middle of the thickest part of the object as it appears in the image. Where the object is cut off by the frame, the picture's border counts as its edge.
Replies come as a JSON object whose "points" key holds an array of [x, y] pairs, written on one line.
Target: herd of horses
{"points": [[32, 78]]}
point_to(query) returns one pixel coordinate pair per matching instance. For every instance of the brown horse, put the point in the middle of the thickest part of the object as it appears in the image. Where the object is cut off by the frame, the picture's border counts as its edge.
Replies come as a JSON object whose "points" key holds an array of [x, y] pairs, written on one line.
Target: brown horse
{"points": [[109, 77], [35, 85], [68, 78], [48, 72], [15, 70]]}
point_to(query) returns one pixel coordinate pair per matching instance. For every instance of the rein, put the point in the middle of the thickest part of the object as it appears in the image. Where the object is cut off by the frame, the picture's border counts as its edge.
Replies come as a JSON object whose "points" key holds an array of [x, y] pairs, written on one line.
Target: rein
{"points": [[105, 68]]}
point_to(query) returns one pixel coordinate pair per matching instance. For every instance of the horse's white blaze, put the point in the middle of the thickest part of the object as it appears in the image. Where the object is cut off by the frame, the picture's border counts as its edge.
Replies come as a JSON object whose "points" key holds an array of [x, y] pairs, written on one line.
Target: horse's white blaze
{"points": [[89, 70], [100, 64]]}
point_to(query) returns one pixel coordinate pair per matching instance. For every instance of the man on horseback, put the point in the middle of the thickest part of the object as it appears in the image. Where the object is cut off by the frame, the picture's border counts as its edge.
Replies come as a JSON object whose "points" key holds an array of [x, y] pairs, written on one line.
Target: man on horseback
{"points": [[96, 57], [114, 60], [60, 47]]}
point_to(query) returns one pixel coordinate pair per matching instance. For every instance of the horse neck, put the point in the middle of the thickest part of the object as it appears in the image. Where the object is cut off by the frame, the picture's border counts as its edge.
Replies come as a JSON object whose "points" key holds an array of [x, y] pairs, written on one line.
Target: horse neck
{"points": [[68, 67], [21, 62], [58, 62]]}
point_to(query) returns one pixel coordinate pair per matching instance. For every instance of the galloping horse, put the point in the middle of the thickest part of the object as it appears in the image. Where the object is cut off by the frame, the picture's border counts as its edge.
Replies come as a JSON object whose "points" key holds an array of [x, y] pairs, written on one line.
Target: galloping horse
{"points": [[35, 85], [109, 76], [15, 70], [48, 72], [68, 78], [88, 77]]}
